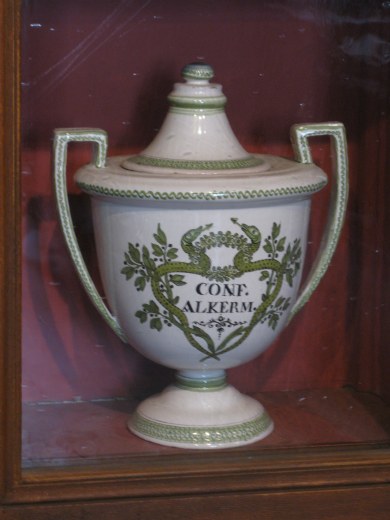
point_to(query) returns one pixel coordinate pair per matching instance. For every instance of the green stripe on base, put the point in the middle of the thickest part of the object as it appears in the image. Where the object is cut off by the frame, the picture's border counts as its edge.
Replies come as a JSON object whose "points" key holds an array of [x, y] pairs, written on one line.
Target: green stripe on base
{"points": [[201, 384]]}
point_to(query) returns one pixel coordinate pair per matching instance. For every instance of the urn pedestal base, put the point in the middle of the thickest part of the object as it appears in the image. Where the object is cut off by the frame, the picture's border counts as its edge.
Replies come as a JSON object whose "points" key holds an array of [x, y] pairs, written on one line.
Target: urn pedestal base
{"points": [[201, 418]]}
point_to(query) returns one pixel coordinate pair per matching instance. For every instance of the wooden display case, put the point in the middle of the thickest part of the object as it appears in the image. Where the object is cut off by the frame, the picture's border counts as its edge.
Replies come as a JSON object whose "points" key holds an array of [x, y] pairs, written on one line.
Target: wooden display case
{"points": [[68, 384]]}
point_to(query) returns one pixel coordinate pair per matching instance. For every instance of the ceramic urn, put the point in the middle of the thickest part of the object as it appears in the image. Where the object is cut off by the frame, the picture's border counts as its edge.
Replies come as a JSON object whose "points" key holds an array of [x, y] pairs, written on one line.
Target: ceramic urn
{"points": [[200, 247]]}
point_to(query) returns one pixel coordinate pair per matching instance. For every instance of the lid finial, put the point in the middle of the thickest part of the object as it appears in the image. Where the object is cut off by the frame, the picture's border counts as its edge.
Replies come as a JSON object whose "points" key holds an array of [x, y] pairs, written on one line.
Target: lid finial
{"points": [[198, 71]]}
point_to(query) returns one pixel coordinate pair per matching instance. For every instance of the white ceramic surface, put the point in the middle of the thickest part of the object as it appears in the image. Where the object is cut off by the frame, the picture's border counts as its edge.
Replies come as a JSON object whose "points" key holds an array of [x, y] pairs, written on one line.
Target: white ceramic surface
{"points": [[181, 281]]}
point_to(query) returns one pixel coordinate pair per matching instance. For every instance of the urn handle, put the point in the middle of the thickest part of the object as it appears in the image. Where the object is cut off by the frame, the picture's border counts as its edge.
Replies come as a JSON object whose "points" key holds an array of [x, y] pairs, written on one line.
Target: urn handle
{"points": [[338, 202], [99, 140]]}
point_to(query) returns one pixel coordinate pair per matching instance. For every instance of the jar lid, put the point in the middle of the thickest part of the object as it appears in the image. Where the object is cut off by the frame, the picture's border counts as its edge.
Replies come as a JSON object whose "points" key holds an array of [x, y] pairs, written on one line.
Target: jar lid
{"points": [[196, 135], [196, 156]]}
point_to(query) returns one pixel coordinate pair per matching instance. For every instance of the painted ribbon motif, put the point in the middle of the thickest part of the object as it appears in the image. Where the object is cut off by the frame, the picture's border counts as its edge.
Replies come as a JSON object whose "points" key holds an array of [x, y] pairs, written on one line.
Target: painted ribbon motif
{"points": [[282, 264]]}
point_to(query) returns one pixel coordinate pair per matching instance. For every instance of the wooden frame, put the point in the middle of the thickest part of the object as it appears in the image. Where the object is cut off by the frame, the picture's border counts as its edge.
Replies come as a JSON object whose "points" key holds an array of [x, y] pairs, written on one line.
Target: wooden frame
{"points": [[323, 482]]}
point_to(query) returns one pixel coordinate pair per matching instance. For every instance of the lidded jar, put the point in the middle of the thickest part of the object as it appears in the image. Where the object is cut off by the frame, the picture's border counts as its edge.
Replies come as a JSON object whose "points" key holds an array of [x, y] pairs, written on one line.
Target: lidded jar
{"points": [[201, 247]]}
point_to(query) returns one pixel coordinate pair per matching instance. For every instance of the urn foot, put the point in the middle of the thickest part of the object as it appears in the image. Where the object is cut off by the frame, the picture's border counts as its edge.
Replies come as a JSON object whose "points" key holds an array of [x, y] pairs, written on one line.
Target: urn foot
{"points": [[201, 419]]}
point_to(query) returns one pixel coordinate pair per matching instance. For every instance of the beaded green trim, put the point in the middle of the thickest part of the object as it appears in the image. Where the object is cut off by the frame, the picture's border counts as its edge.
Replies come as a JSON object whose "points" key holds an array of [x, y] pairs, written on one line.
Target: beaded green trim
{"points": [[206, 435], [197, 70], [233, 164], [201, 196]]}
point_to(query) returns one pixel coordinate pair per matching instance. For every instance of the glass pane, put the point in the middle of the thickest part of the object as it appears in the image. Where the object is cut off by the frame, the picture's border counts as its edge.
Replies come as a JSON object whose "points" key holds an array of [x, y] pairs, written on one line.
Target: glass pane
{"points": [[110, 65]]}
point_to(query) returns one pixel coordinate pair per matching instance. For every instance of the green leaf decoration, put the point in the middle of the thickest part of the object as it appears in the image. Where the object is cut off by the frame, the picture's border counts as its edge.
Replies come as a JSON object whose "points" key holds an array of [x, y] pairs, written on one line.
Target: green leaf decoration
{"points": [[273, 321], [172, 253], [177, 279], [157, 251], [128, 272], [145, 253], [140, 283], [151, 307], [156, 324], [278, 270], [160, 236], [275, 230], [135, 254], [280, 245], [286, 257], [268, 247], [149, 264], [279, 301], [142, 316]]}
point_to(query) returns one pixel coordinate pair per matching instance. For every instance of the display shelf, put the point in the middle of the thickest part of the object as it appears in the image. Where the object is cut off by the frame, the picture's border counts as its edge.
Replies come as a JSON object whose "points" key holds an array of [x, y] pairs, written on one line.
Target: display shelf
{"points": [[71, 433], [67, 385]]}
